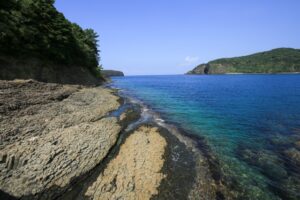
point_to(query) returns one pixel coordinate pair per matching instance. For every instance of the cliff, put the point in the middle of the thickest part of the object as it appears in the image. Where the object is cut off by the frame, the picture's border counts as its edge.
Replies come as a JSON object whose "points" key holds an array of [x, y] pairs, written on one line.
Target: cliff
{"points": [[275, 61], [45, 71], [109, 73]]}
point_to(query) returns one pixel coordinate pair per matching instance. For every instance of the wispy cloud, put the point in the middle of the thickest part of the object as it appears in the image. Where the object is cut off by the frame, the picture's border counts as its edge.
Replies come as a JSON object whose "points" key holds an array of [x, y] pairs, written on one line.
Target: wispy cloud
{"points": [[190, 60]]}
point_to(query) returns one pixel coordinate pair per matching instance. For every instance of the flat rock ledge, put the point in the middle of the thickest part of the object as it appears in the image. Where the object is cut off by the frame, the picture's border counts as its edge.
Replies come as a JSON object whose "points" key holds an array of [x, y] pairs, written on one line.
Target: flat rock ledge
{"points": [[135, 173], [51, 134], [71, 142]]}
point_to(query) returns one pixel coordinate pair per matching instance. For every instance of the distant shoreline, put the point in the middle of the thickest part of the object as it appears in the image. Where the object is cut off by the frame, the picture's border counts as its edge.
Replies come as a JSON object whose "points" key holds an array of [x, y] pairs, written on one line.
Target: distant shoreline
{"points": [[278, 60], [239, 73], [267, 73]]}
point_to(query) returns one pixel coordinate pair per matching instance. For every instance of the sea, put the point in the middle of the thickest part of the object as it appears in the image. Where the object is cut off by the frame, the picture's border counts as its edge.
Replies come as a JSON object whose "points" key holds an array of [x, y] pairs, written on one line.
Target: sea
{"points": [[251, 124]]}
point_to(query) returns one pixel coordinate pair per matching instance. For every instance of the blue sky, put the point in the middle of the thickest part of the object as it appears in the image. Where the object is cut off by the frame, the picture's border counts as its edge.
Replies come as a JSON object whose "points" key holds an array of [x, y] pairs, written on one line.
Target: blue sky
{"points": [[172, 36]]}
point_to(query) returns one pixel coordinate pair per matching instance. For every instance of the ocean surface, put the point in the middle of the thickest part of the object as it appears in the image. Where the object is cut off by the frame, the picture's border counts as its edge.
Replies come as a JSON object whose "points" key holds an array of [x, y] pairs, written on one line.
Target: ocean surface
{"points": [[250, 122]]}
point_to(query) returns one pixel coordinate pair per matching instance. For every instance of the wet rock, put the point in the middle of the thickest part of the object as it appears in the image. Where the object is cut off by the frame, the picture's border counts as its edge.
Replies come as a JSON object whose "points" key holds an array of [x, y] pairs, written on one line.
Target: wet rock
{"points": [[294, 156], [130, 115], [289, 188], [297, 144], [188, 174], [280, 140], [271, 165]]}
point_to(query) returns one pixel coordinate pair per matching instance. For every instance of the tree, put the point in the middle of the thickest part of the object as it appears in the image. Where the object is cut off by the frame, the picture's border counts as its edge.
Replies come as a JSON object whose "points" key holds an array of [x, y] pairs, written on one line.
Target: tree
{"points": [[34, 28]]}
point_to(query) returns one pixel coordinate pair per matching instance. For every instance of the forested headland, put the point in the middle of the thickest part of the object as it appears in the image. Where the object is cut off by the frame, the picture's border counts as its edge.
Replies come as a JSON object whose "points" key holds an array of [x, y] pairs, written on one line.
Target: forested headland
{"points": [[36, 39], [280, 60]]}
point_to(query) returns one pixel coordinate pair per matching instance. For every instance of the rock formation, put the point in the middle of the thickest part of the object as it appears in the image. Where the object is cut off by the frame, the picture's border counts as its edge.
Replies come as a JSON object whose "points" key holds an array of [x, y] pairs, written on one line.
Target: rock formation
{"points": [[51, 134], [135, 172]]}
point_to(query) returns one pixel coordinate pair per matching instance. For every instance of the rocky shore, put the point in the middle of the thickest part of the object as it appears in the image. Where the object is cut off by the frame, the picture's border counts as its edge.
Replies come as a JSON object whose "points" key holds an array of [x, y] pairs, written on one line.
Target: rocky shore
{"points": [[71, 142], [51, 134], [135, 173]]}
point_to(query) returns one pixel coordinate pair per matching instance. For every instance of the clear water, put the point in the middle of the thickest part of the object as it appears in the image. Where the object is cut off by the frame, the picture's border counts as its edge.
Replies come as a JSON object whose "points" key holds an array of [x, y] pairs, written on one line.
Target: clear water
{"points": [[249, 121]]}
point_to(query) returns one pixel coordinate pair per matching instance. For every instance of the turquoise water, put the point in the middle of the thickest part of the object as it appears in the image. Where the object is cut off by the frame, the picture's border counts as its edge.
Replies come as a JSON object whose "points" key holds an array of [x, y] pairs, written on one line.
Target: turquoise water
{"points": [[250, 122]]}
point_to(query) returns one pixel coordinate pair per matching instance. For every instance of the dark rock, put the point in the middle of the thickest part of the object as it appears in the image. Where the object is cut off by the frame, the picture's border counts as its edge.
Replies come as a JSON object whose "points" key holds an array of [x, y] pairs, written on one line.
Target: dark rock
{"points": [[109, 73], [269, 162], [293, 155], [40, 70]]}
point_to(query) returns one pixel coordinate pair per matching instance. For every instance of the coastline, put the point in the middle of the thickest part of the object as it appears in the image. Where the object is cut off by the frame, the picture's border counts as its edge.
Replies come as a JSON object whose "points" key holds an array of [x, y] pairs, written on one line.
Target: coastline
{"points": [[73, 126], [240, 73], [267, 73], [187, 155], [180, 158]]}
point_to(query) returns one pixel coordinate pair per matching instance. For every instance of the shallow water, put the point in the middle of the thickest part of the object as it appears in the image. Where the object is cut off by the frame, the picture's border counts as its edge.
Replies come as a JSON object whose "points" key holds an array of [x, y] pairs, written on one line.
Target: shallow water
{"points": [[251, 123]]}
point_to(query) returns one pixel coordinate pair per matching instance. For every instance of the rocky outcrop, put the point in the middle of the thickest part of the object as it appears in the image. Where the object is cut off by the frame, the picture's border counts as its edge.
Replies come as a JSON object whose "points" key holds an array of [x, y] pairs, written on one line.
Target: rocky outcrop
{"points": [[52, 134], [135, 172], [200, 69], [109, 73], [210, 69]]}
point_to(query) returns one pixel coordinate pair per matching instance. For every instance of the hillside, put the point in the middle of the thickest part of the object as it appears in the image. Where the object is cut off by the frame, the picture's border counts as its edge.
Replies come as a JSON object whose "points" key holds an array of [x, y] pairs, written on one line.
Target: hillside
{"points": [[37, 41], [274, 61]]}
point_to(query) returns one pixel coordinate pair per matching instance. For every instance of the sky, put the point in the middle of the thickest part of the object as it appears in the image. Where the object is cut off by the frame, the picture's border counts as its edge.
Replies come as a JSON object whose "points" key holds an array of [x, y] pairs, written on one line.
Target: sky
{"points": [[149, 37]]}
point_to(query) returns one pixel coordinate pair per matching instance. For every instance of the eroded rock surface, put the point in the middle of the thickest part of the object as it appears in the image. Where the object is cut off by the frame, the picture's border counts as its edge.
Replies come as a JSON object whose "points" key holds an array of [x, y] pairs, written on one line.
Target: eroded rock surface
{"points": [[51, 134], [294, 155], [135, 173]]}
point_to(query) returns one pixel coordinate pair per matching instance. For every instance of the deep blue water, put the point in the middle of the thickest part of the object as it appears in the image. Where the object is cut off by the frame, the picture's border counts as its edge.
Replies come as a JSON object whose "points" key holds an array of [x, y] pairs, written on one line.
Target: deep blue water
{"points": [[251, 123]]}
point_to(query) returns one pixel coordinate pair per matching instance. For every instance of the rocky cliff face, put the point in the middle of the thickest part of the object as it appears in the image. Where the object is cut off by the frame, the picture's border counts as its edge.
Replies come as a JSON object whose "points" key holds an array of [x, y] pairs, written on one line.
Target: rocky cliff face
{"points": [[11, 68], [109, 73], [210, 69], [200, 69]]}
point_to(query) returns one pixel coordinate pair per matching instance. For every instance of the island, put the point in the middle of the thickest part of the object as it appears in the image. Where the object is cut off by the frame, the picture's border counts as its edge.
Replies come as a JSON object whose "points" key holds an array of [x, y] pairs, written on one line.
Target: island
{"points": [[109, 73], [280, 60]]}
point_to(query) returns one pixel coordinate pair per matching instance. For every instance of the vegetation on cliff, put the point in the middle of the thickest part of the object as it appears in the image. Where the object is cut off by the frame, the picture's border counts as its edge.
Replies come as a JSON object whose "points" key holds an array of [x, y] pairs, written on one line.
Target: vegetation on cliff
{"points": [[35, 29], [274, 61]]}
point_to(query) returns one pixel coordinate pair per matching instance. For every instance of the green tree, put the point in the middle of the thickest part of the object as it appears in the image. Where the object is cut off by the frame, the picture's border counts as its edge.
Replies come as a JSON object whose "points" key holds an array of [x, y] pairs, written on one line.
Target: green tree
{"points": [[34, 28]]}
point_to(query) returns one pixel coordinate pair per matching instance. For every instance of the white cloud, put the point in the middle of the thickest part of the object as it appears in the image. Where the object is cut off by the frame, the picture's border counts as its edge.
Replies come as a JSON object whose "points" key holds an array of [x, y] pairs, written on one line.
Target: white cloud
{"points": [[190, 60]]}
